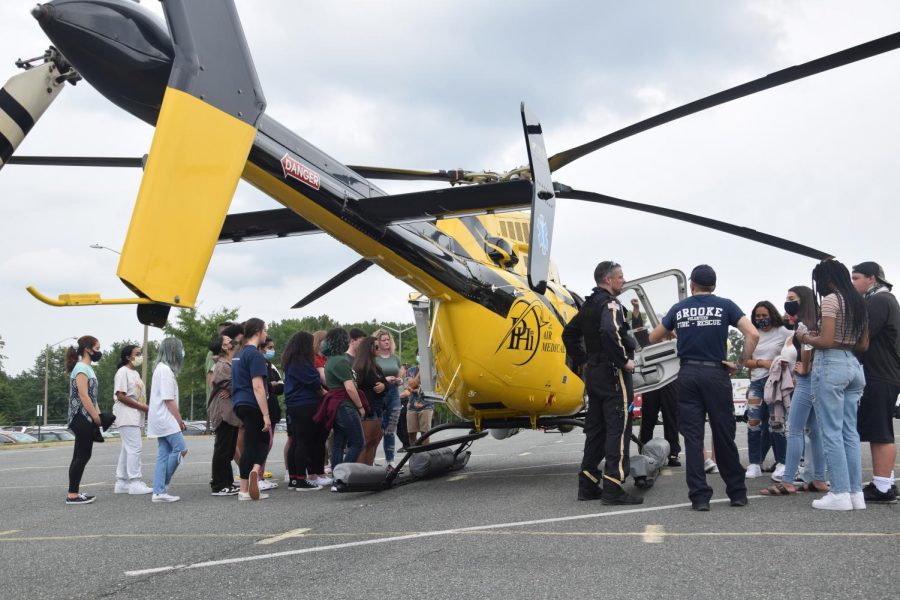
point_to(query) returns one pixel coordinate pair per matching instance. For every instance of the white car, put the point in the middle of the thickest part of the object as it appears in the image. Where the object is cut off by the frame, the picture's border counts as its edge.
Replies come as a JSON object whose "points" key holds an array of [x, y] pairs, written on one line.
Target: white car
{"points": [[739, 389]]}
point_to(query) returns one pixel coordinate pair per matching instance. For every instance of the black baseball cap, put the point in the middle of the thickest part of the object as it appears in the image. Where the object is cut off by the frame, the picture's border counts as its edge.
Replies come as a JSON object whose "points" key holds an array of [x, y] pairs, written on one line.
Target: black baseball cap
{"points": [[704, 275], [872, 269]]}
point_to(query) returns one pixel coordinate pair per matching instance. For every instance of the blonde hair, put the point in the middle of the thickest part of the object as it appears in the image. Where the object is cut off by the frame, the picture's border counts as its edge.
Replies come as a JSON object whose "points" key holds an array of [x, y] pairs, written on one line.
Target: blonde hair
{"points": [[317, 341], [382, 332]]}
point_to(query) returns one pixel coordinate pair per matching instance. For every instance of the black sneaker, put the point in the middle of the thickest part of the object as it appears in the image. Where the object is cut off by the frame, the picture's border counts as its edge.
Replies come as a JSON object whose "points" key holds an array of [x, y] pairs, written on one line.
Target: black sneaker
{"points": [[673, 461], [739, 502], [227, 491], [700, 506], [873, 495], [80, 499], [894, 490], [302, 485]]}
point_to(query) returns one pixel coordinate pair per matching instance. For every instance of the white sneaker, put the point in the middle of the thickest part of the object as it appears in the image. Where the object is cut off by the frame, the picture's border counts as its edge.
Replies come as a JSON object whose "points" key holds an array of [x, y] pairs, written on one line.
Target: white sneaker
{"points": [[858, 500], [832, 501], [753, 471], [165, 498], [244, 496], [266, 484], [139, 488], [710, 466], [322, 481], [122, 487], [778, 474]]}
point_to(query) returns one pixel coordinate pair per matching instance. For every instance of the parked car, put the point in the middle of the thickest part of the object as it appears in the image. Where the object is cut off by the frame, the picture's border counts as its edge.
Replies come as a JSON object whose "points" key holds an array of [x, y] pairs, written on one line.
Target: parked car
{"points": [[19, 428], [195, 428], [739, 388], [53, 435], [18, 437]]}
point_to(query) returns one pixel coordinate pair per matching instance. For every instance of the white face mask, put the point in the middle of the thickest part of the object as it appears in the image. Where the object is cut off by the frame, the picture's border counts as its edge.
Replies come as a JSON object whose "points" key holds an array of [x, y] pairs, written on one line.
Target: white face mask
{"points": [[137, 361]]}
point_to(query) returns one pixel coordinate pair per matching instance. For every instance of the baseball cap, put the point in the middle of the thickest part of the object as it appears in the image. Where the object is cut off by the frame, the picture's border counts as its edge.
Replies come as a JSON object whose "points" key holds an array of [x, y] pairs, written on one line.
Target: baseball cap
{"points": [[872, 269], [703, 275]]}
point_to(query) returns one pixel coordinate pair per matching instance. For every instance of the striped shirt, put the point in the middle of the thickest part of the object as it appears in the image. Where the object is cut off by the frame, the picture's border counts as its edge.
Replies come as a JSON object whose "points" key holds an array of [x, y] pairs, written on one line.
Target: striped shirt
{"points": [[833, 306]]}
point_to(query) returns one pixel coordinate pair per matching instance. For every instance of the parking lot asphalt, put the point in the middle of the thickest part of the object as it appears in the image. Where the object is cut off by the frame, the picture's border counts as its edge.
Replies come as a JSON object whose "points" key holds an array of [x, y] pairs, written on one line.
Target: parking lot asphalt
{"points": [[508, 525]]}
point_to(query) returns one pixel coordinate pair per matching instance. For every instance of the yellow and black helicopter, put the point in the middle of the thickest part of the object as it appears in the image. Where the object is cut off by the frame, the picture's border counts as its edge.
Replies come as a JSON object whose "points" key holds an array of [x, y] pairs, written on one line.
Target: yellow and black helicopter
{"points": [[490, 309]]}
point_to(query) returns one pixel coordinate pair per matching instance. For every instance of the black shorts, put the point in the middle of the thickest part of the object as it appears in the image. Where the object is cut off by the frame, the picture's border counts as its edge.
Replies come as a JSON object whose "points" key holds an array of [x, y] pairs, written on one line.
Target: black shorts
{"points": [[875, 419]]}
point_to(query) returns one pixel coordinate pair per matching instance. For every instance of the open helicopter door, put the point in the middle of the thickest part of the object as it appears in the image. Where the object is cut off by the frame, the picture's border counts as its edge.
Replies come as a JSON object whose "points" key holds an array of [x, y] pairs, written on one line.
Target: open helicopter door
{"points": [[421, 312], [543, 204], [656, 365]]}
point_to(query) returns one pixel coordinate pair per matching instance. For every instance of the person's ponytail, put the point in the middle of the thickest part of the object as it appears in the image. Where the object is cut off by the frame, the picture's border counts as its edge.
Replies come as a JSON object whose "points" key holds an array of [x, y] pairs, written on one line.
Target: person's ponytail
{"points": [[71, 358]]}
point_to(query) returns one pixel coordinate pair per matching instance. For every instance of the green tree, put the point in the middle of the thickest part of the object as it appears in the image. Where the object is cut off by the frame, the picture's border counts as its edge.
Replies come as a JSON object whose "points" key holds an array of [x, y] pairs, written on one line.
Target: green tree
{"points": [[195, 331], [735, 349], [2, 357]]}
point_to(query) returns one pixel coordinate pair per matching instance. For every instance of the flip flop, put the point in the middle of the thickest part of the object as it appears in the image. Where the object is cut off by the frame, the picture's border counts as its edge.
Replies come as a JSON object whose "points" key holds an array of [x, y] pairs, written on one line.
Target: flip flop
{"points": [[810, 488], [776, 490]]}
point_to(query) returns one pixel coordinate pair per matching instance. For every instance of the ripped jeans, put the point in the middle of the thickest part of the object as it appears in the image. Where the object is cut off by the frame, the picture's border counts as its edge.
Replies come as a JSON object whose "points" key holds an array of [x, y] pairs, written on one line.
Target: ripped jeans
{"points": [[389, 419], [759, 435]]}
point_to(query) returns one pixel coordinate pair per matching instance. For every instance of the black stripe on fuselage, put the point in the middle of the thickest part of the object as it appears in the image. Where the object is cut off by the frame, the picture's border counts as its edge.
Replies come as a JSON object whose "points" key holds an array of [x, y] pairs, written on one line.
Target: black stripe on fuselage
{"points": [[16, 111]]}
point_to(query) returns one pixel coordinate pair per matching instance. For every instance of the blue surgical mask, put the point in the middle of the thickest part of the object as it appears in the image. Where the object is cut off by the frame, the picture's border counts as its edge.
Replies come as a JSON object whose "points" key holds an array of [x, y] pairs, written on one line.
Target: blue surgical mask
{"points": [[270, 354], [182, 354]]}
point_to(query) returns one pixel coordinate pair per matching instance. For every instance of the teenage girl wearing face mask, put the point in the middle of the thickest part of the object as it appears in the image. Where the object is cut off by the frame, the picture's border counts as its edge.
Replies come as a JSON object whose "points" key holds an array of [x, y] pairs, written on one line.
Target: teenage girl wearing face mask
{"points": [[772, 335], [801, 307], [84, 415], [130, 406]]}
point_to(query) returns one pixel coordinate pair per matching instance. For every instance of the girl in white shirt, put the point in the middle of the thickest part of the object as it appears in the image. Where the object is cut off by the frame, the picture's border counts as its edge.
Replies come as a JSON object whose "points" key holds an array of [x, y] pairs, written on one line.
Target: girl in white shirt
{"points": [[130, 407]]}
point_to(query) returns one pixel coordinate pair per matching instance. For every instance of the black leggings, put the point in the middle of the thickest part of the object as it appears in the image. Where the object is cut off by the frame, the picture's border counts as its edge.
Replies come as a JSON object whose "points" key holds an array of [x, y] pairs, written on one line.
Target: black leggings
{"points": [[84, 446], [256, 441], [308, 455], [223, 453]]}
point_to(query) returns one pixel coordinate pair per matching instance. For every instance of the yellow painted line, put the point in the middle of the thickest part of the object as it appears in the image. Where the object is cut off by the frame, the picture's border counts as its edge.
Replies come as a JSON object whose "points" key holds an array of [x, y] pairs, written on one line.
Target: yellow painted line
{"points": [[8, 531], [686, 534], [284, 536], [456, 478], [653, 534]]}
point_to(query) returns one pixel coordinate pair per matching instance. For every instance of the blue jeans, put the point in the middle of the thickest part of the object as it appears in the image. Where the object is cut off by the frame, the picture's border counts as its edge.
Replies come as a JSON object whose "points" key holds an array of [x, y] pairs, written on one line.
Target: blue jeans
{"points": [[389, 421], [170, 448], [838, 384], [759, 437], [347, 430], [801, 416]]}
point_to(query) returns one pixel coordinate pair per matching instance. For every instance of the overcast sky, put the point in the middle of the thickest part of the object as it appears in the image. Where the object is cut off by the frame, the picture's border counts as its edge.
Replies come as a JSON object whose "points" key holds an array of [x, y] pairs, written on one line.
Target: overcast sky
{"points": [[437, 85]]}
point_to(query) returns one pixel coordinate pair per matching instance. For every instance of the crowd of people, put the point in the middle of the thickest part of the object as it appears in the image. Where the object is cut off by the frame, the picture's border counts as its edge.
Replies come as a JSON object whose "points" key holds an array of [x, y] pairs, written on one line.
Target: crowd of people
{"points": [[825, 375], [345, 392]]}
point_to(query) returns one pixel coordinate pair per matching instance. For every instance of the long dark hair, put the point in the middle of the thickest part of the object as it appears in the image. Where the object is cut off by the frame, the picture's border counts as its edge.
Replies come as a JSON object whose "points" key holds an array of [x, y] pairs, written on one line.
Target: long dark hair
{"points": [[299, 351], [774, 315], [125, 355], [365, 357], [809, 306], [85, 342], [832, 277]]}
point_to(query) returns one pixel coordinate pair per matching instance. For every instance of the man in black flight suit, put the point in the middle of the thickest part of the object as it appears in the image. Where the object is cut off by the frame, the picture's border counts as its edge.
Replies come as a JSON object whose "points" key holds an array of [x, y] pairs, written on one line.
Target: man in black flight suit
{"points": [[601, 325]]}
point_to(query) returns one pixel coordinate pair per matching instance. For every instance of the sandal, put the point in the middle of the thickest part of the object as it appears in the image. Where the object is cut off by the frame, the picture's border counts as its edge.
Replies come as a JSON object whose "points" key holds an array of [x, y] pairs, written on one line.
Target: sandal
{"points": [[776, 490], [811, 488]]}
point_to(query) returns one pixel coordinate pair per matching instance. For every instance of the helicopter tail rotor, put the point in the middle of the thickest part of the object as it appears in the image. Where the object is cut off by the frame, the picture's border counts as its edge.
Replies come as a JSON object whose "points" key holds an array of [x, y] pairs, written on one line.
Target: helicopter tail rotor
{"points": [[27, 95]]}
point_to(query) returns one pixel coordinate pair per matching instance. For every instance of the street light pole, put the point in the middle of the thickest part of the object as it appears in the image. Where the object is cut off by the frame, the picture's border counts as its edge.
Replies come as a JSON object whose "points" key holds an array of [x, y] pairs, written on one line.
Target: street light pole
{"points": [[47, 371], [144, 347], [399, 333]]}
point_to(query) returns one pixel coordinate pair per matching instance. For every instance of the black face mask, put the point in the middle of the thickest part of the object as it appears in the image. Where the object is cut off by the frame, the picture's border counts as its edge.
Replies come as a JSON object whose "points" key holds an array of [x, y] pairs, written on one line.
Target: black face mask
{"points": [[763, 323], [792, 307], [96, 356], [788, 324]]}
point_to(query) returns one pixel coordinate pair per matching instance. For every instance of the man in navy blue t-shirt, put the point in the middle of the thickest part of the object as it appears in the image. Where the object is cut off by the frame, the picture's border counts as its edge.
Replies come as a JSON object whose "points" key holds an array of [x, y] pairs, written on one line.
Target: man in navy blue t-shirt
{"points": [[701, 324]]}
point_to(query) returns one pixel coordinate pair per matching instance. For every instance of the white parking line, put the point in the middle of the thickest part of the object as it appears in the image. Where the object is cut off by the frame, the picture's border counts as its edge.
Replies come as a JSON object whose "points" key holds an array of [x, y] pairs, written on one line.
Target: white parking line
{"points": [[398, 538]]}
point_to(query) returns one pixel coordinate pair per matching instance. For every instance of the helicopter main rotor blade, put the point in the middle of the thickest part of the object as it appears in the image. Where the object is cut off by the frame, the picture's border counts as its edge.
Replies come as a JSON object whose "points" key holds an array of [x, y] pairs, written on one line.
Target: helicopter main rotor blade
{"points": [[338, 280], [388, 173], [77, 161], [744, 232], [820, 65]]}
